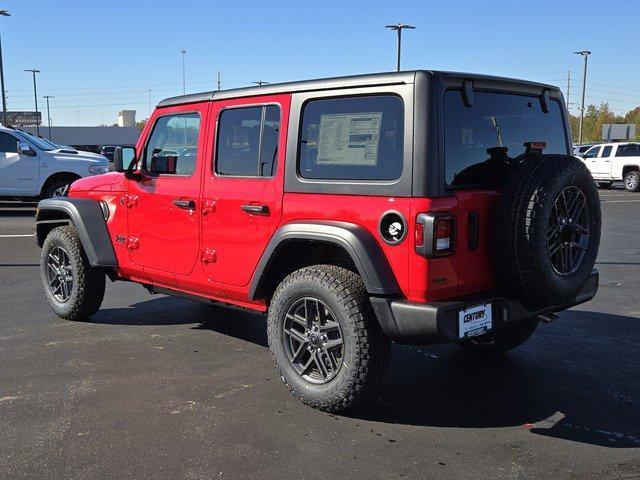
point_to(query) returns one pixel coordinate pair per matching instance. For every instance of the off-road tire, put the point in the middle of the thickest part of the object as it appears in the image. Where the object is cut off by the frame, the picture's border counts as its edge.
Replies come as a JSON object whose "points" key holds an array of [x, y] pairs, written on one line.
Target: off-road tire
{"points": [[630, 179], [503, 340], [87, 291], [605, 185], [365, 347], [520, 227]]}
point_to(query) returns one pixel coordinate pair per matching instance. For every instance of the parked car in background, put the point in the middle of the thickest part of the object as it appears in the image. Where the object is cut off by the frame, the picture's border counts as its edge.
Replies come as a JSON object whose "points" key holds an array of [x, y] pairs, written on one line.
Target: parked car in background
{"points": [[610, 162], [33, 167]]}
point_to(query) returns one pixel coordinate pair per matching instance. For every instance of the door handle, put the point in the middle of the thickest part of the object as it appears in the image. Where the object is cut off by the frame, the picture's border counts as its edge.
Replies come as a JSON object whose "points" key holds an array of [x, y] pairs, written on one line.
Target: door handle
{"points": [[185, 204], [255, 209]]}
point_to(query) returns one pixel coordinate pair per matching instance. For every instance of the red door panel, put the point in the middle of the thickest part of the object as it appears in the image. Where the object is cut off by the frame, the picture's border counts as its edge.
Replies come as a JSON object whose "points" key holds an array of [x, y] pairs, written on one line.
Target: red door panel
{"points": [[242, 212], [163, 234]]}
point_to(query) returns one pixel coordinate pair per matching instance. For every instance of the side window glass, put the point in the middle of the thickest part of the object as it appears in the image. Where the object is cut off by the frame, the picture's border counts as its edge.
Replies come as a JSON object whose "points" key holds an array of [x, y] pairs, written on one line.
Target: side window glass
{"points": [[352, 138], [606, 151], [629, 150], [592, 152], [173, 145], [247, 143], [8, 143], [270, 135]]}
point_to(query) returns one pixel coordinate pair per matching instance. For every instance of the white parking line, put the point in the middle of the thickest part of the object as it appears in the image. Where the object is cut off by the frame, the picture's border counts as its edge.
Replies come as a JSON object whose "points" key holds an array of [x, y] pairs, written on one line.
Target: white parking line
{"points": [[17, 236], [620, 201]]}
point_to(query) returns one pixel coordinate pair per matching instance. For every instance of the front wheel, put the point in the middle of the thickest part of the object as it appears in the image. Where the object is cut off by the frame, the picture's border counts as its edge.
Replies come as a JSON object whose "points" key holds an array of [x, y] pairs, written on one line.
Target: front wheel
{"points": [[325, 340], [57, 188], [503, 340], [73, 288], [632, 181]]}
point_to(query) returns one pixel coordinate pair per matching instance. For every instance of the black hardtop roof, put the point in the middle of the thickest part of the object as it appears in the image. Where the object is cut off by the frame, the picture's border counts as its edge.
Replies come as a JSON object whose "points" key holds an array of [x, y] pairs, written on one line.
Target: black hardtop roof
{"points": [[372, 79]]}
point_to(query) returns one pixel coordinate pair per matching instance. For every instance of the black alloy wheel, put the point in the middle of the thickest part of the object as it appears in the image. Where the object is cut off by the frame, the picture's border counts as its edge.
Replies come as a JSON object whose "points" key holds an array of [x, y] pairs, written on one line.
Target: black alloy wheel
{"points": [[568, 231], [312, 340], [59, 274]]}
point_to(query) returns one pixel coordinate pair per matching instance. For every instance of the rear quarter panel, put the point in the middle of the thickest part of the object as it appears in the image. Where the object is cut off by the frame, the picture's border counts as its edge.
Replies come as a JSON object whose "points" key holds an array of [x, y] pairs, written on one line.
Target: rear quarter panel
{"points": [[419, 279]]}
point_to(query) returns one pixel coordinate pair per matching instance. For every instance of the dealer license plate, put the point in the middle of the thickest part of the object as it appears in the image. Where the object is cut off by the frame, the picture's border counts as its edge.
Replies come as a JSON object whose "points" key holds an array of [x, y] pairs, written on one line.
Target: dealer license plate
{"points": [[474, 321]]}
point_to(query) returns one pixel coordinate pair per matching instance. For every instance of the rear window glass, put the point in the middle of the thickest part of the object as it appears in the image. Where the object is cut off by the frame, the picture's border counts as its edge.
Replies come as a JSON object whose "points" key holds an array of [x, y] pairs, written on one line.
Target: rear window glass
{"points": [[352, 138], [480, 140], [629, 150]]}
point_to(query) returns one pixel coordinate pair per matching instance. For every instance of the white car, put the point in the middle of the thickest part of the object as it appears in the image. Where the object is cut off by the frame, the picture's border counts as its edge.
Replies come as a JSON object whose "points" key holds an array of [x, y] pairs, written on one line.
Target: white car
{"points": [[610, 162], [33, 167]]}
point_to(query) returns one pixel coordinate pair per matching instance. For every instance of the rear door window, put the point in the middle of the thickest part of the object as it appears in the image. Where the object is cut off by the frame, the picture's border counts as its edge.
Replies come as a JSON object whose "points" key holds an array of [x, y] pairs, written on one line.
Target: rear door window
{"points": [[481, 140], [247, 144], [352, 138], [606, 151]]}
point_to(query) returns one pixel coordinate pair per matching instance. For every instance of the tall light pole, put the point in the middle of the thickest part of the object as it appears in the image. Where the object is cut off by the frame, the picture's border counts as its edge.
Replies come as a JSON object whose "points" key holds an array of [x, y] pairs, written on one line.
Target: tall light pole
{"points": [[399, 27], [184, 83], [4, 13], [49, 114], [149, 104], [585, 54], [35, 97]]}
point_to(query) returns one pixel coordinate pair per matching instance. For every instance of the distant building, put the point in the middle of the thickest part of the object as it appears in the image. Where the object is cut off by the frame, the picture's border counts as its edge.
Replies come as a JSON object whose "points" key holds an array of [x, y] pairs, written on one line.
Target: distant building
{"points": [[127, 118], [89, 138]]}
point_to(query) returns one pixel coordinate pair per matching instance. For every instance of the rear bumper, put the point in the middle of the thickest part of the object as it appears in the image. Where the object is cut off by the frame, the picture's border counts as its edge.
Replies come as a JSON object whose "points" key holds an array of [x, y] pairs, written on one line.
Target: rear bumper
{"points": [[437, 322]]}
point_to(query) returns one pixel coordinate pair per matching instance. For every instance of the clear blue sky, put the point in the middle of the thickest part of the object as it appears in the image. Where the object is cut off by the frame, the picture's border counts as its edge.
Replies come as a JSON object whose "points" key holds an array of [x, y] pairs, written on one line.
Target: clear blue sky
{"points": [[99, 57]]}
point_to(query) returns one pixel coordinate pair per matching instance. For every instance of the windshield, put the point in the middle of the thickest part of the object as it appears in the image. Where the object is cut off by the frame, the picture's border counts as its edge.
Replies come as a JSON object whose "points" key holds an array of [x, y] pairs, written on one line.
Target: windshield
{"points": [[41, 143], [482, 139]]}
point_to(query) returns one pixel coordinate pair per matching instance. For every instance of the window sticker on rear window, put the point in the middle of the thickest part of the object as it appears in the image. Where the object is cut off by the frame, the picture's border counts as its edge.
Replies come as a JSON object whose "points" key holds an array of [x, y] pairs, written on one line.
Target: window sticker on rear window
{"points": [[352, 138], [349, 138]]}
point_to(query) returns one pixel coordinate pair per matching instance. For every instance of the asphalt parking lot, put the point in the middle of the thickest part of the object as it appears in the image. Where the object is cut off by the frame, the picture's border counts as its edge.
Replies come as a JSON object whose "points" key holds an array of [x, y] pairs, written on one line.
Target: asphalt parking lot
{"points": [[158, 387]]}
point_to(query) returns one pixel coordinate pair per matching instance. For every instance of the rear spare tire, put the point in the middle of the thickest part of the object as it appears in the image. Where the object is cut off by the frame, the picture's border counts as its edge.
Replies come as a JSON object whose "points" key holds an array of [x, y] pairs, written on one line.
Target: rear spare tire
{"points": [[547, 229]]}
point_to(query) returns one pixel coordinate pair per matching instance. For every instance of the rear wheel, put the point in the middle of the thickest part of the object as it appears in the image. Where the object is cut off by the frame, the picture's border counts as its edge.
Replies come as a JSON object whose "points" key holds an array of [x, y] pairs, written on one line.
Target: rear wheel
{"points": [[632, 181], [326, 343], [502, 340], [73, 288]]}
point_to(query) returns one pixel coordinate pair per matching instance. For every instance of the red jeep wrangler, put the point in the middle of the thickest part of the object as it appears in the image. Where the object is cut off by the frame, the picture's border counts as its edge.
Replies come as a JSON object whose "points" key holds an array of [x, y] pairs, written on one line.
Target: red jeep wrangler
{"points": [[420, 207]]}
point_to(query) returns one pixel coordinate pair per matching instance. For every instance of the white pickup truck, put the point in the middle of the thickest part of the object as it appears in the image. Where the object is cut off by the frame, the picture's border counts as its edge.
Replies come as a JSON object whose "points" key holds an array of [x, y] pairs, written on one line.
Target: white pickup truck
{"points": [[610, 162], [32, 167]]}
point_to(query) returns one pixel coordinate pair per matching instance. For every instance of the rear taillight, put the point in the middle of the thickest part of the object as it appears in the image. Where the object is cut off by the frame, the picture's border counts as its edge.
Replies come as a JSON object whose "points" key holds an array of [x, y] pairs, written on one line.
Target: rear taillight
{"points": [[419, 234], [435, 234]]}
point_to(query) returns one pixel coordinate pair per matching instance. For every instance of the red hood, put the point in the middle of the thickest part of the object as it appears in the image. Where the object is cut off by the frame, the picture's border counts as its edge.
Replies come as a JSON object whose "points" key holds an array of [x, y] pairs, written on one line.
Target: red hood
{"points": [[108, 182]]}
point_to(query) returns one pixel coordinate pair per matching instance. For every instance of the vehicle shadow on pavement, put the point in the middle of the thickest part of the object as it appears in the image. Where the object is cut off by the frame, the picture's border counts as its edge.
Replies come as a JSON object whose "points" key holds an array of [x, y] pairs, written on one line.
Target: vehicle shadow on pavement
{"points": [[575, 384], [576, 379], [232, 322]]}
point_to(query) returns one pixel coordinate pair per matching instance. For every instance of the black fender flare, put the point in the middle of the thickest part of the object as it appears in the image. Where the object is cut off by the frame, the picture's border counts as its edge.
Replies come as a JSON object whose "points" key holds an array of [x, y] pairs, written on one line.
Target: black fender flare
{"points": [[87, 217], [357, 241]]}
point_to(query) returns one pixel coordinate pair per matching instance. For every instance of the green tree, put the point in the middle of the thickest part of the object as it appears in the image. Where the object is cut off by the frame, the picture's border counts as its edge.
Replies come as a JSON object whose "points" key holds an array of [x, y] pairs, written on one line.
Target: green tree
{"points": [[141, 123]]}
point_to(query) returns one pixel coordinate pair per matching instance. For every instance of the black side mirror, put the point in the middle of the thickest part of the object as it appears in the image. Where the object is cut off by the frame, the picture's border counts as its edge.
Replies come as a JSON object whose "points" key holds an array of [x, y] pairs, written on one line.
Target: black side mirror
{"points": [[23, 148], [123, 156]]}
